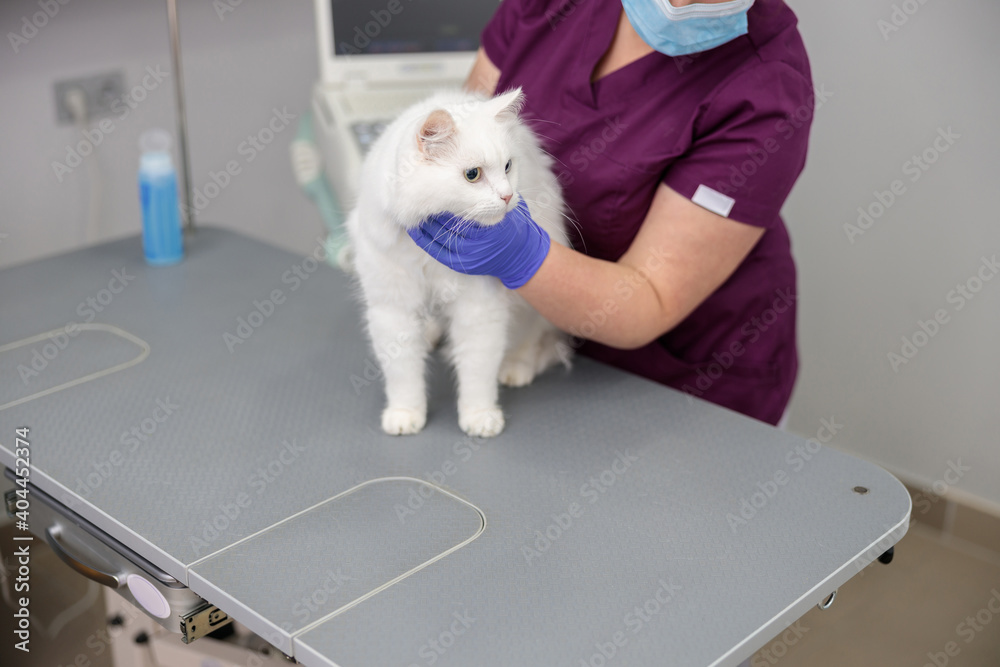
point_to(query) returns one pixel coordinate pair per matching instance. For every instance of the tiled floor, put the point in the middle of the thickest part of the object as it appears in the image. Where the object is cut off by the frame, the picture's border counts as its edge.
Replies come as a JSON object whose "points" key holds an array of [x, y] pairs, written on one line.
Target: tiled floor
{"points": [[930, 600]]}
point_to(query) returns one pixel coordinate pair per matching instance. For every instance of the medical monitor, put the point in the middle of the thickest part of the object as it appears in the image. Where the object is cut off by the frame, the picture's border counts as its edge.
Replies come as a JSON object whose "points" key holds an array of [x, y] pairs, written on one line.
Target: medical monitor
{"points": [[399, 40]]}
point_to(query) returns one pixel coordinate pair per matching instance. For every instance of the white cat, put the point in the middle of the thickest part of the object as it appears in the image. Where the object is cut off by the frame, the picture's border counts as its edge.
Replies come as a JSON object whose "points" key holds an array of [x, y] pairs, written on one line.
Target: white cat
{"points": [[460, 153]]}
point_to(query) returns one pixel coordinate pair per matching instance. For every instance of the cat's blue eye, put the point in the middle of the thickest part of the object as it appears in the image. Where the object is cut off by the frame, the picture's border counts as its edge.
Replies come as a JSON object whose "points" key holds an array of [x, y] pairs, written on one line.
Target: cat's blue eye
{"points": [[472, 175], [507, 168]]}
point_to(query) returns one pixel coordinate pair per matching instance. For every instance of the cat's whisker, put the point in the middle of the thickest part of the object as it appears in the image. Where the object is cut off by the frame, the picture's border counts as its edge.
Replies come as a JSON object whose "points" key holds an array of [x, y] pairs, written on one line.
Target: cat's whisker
{"points": [[545, 136], [547, 207], [535, 119], [442, 235], [466, 220], [553, 157], [468, 224], [570, 222]]}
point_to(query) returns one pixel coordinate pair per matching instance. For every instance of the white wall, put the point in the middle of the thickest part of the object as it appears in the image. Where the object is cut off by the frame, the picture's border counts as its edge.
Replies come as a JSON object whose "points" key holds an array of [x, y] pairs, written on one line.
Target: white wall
{"points": [[857, 300], [237, 68]]}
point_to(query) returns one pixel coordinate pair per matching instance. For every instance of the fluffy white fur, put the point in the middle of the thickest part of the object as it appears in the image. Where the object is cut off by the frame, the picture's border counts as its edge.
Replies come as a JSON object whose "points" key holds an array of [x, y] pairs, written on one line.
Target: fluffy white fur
{"points": [[415, 169]]}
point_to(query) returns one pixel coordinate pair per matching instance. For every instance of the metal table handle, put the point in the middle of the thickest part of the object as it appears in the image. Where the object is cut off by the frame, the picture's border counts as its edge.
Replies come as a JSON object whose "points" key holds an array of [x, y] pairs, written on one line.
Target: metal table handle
{"points": [[827, 601], [53, 535]]}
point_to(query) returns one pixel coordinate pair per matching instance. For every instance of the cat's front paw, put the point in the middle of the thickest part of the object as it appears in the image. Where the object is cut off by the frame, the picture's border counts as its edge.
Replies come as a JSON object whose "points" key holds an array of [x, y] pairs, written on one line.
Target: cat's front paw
{"points": [[481, 422], [403, 421]]}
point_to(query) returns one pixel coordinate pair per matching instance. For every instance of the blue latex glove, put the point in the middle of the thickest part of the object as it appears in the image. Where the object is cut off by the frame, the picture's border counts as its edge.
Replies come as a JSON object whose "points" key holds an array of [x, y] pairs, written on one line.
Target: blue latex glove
{"points": [[511, 250]]}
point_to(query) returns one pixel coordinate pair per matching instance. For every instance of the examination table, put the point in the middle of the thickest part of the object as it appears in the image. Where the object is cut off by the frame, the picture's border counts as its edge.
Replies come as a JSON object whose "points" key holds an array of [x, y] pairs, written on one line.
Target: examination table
{"points": [[211, 431]]}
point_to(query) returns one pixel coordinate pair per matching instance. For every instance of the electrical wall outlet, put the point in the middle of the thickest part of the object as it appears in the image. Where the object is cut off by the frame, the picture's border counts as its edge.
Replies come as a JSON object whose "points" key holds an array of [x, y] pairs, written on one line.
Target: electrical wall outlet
{"points": [[101, 91]]}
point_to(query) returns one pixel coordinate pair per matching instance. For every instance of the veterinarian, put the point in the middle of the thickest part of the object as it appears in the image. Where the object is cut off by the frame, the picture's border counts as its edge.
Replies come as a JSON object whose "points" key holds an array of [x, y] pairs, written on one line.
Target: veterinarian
{"points": [[678, 130]]}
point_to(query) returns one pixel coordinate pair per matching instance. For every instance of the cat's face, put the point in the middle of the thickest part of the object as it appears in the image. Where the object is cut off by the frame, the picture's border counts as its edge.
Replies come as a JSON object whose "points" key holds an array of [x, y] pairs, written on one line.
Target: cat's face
{"points": [[468, 160]]}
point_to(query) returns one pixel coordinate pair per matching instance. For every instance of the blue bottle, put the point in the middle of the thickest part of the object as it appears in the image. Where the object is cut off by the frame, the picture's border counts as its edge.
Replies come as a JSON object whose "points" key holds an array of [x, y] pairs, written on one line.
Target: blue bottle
{"points": [[162, 240]]}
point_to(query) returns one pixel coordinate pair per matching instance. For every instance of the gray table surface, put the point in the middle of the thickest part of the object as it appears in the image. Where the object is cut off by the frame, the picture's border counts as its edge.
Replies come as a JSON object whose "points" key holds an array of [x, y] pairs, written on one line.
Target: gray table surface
{"points": [[599, 528]]}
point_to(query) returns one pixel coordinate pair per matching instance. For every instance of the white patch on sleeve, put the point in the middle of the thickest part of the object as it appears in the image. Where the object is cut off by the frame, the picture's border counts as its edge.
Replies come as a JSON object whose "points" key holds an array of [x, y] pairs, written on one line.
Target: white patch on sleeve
{"points": [[716, 202]]}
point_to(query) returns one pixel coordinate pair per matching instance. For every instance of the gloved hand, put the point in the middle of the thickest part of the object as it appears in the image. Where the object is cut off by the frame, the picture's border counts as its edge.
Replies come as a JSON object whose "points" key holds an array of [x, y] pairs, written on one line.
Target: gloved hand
{"points": [[511, 250]]}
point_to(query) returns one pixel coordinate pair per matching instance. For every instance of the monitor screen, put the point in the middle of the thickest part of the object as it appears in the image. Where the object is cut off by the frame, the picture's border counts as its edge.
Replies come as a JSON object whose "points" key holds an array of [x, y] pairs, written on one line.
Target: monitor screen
{"points": [[408, 26]]}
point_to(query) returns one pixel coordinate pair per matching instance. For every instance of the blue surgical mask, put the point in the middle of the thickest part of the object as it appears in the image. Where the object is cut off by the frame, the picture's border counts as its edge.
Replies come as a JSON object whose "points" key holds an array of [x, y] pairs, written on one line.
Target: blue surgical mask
{"points": [[679, 31]]}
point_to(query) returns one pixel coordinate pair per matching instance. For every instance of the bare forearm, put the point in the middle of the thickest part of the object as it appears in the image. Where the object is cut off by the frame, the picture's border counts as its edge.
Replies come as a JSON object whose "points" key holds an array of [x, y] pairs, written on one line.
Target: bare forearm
{"points": [[680, 256], [484, 75], [607, 302]]}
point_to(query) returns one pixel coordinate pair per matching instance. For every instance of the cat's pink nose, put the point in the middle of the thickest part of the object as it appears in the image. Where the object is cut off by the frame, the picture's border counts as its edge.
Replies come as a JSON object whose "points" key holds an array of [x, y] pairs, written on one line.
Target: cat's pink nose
{"points": [[506, 198]]}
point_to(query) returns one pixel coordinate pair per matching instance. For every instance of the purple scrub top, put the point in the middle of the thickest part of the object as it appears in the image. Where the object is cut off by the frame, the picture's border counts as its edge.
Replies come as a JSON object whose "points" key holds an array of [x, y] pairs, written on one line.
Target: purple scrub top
{"points": [[726, 128]]}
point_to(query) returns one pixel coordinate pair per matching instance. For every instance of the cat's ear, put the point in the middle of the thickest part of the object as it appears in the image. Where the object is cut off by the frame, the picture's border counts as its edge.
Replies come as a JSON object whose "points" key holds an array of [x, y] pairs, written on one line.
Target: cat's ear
{"points": [[509, 104], [436, 134]]}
